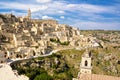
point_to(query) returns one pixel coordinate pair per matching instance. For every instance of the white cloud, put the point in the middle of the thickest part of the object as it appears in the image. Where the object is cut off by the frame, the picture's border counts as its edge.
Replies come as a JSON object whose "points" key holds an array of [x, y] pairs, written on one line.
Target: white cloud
{"points": [[97, 25], [88, 12], [47, 17], [89, 8], [71, 5], [53, 7], [43, 1], [92, 8], [39, 8], [62, 17], [61, 12]]}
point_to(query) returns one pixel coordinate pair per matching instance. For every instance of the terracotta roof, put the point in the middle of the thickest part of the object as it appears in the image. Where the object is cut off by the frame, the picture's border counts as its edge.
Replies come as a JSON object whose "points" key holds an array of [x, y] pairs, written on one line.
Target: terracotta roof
{"points": [[97, 77]]}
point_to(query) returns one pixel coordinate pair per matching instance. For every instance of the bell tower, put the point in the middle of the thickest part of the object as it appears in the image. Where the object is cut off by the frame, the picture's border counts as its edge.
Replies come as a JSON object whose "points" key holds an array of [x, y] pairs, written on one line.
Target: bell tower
{"points": [[86, 66], [29, 14]]}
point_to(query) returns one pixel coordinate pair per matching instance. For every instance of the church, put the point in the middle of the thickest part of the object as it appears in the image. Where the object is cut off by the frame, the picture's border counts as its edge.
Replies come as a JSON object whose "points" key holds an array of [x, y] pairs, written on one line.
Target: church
{"points": [[85, 72]]}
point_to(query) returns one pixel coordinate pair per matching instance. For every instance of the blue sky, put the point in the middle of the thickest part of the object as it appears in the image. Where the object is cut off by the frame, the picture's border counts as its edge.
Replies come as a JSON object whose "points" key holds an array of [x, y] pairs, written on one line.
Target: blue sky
{"points": [[84, 14]]}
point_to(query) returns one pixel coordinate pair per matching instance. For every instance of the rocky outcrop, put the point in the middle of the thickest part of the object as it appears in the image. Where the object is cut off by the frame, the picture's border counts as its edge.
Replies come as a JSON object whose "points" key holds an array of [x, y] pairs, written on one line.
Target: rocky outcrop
{"points": [[6, 73], [20, 36]]}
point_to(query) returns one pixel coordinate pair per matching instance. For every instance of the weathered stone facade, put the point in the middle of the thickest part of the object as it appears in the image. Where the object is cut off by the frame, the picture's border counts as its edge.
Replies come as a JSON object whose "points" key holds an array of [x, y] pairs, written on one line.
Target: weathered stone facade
{"points": [[33, 37]]}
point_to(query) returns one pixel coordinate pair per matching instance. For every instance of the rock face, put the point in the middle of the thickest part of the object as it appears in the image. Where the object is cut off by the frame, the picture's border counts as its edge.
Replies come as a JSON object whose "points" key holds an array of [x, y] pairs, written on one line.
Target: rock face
{"points": [[6, 73], [26, 37], [8, 18]]}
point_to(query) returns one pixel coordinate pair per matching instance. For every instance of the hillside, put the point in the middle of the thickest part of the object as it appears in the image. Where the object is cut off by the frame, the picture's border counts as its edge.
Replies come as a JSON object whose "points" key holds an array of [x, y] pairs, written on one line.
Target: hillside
{"points": [[23, 37], [105, 61]]}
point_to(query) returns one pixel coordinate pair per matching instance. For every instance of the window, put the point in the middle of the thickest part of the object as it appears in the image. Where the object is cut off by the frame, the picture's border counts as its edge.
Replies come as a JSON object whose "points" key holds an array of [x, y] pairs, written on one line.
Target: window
{"points": [[1, 61], [86, 63]]}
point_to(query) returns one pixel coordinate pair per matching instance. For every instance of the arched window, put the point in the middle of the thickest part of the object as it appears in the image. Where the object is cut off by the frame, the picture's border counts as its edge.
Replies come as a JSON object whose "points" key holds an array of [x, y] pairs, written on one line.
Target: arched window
{"points": [[86, 63]]}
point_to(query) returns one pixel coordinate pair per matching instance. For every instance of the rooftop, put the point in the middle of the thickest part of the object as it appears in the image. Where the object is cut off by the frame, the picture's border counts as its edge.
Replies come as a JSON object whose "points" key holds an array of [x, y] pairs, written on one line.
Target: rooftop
{"points": [[97, 77]]}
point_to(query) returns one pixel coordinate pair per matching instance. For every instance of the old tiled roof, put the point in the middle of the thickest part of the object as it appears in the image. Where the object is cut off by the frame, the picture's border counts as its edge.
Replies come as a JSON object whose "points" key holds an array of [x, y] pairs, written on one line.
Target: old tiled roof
{"points": [[97, 77]]}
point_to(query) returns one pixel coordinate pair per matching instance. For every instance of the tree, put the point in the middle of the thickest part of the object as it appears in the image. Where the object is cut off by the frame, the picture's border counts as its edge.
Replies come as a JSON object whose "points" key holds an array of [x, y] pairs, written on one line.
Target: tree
{"points": [[43, 76]]}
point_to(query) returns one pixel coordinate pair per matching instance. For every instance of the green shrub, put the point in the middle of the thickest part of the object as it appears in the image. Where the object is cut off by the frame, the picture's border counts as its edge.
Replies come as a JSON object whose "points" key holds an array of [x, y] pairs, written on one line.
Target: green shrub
{"points": [[65, 43], [59, 42], [43, 76]]}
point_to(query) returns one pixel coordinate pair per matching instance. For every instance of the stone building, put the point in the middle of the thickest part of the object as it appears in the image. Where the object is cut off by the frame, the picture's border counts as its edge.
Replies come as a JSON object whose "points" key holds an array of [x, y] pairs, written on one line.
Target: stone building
{"points": [[86, 70], [3, 56], [29, 14], [86, 66]]}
